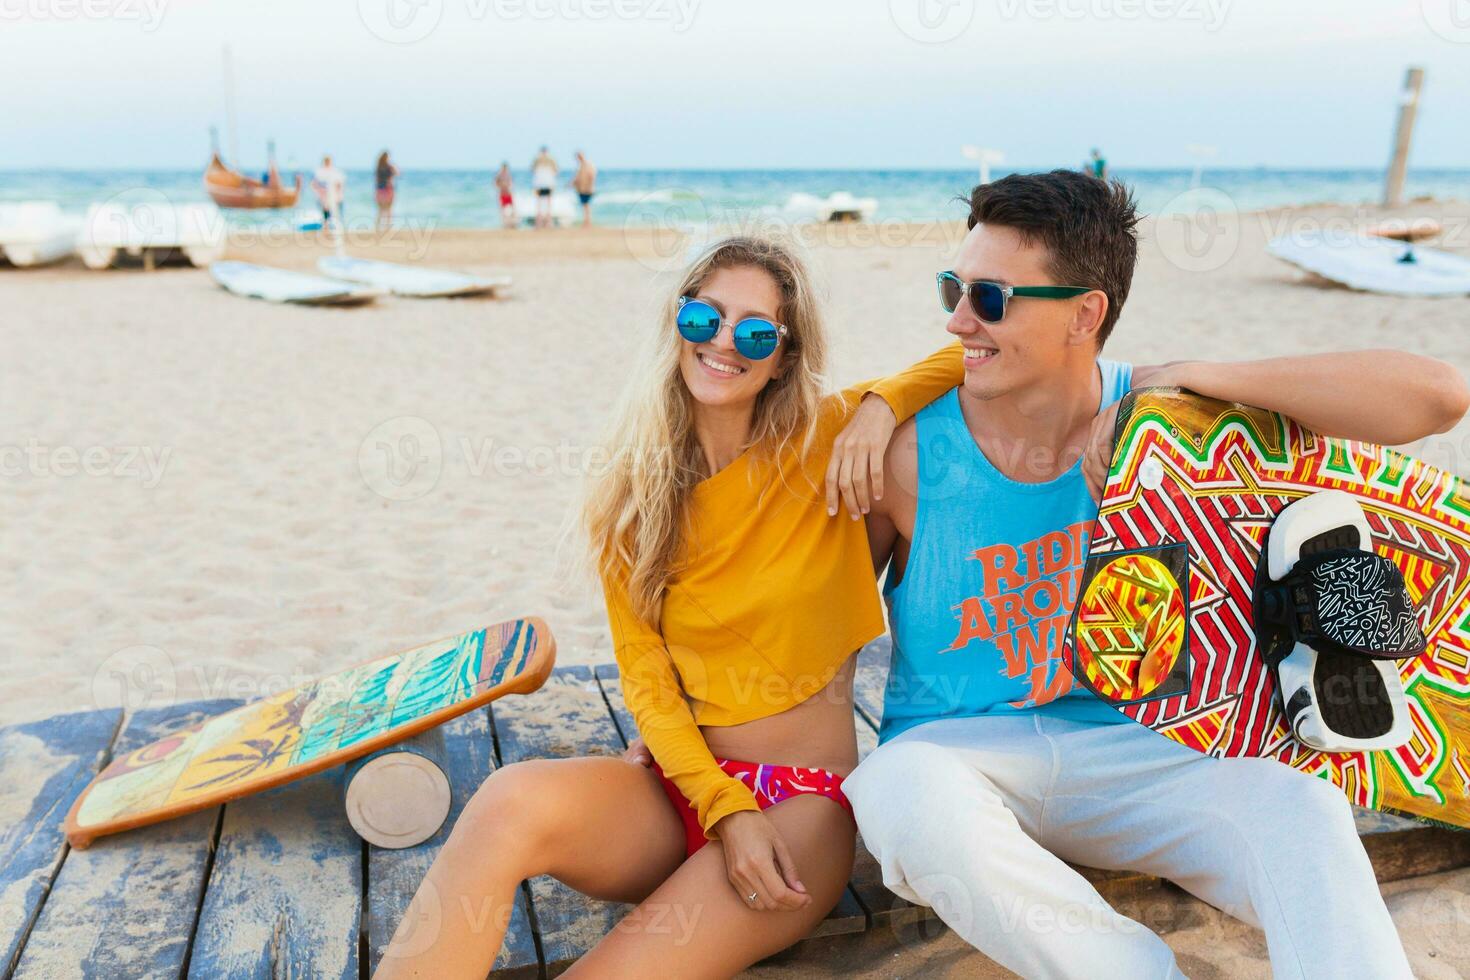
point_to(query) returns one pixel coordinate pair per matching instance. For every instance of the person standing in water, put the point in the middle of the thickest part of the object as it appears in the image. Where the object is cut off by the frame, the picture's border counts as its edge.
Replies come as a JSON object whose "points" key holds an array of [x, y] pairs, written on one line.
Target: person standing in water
{"points": [[383, 189], [505, 186], [330, 185], [1098, 165], [543, 181], [585, 184]]}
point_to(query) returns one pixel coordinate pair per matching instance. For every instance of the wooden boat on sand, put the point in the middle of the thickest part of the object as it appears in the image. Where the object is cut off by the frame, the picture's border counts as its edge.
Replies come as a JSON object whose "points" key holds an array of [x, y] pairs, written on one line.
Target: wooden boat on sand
{"points": [[232, 189]]}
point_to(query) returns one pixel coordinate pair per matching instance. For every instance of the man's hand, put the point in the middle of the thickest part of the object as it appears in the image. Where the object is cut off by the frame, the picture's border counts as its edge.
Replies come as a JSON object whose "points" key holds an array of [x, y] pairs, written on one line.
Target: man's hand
{"points": [[638, 753], [856, 469], [1097, 458], [758, 863]]}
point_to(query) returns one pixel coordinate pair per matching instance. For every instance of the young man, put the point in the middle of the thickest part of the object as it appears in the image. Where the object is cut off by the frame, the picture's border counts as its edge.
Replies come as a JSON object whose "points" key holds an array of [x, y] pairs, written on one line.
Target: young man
{"points": [[994, 771], [585, 184]]}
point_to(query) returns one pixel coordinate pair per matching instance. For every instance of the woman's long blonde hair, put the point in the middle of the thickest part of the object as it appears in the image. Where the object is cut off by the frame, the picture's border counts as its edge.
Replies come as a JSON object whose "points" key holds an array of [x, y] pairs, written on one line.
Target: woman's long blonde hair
{"points": [[634, 514]]}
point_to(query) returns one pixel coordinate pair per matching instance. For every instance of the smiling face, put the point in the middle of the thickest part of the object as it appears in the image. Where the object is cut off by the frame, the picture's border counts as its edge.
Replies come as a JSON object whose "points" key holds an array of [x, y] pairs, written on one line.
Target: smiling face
{"points": [[718, 375], [1037, 338]]}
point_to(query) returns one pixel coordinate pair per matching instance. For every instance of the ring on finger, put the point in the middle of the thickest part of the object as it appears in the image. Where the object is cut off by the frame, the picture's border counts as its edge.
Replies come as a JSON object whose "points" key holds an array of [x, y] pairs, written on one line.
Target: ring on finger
{"points": [[752, 897]]}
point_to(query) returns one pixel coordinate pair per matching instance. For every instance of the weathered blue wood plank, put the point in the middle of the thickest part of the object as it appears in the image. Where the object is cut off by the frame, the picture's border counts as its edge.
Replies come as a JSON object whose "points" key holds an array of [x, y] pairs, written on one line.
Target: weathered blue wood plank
{"points": [[285, 893], [611, 683], [46, 765], [394, 875], [126, 906], [871, 676], [567, 717]]}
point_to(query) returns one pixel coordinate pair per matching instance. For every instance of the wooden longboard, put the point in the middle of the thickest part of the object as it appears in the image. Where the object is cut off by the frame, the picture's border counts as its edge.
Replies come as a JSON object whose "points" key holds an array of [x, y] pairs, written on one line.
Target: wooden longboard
{"points": [[305, 730], [1163, 629]]}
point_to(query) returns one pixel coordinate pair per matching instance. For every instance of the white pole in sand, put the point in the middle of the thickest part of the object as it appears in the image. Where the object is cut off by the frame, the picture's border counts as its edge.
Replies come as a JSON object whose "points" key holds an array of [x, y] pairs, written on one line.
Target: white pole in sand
{"points": [[1398, 168], [985, 157], [1200, 152]]}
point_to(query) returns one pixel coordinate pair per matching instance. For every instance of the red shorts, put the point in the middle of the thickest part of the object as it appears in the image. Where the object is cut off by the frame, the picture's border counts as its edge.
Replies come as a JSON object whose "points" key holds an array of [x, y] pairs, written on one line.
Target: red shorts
{"points": [[771, 785], [506, 200]]}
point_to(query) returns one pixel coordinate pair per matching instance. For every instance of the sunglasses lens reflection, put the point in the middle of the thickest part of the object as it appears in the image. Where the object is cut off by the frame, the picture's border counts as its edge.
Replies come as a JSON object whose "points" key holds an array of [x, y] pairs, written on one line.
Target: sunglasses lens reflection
{"points": [[950, 292], [989, 301], [756, 339], [698, 321]]}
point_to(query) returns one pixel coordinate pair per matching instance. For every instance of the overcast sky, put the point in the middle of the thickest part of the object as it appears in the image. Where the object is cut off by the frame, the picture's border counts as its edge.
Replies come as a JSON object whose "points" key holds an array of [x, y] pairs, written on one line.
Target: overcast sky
{"points": [[733, 83]]}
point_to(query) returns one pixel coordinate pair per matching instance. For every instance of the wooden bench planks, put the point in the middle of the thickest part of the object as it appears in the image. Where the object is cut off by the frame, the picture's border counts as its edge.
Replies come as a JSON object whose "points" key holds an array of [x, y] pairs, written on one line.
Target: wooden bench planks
{"points": [[285, 892], [568, 717], [126, 906], [46, 764], [394, 875]]}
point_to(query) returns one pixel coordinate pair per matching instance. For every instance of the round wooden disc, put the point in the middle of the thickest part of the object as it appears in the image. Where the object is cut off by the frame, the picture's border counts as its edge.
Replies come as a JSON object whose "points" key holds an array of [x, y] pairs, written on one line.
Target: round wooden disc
{"points": [[398, 800]]}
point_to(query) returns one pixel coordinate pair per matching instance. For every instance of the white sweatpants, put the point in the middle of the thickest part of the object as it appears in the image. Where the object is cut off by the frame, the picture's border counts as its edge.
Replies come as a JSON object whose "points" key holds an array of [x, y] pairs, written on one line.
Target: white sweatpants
{"points": [[975, 817]]}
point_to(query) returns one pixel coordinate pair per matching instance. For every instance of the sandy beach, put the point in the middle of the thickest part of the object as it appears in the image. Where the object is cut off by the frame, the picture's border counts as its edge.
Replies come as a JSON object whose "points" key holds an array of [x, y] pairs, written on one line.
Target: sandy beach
{"points": [[208, 496]]}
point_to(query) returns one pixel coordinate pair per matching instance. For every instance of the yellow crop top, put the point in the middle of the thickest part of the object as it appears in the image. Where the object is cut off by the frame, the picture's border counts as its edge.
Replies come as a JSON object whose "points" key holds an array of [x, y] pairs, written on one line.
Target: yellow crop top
{"points": [[773, 597]]}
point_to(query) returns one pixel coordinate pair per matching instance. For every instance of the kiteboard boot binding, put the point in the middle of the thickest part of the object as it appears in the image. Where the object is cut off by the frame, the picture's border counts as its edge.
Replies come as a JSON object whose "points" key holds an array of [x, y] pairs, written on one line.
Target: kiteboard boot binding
{"points": [[1332, 618]]}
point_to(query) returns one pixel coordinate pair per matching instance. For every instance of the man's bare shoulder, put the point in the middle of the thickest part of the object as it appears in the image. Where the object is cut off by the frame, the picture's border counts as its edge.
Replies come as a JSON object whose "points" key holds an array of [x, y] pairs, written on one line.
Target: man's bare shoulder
{"points": [[900, 475]]}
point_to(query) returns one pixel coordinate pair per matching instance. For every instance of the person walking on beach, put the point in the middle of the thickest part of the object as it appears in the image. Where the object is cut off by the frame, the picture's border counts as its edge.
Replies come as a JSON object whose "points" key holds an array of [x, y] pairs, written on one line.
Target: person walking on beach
{"points": [[543, 182], [736, 664], [994, 768], [585, 184], [330, 185], [1097, 165], [383, 189], [505, 187]]}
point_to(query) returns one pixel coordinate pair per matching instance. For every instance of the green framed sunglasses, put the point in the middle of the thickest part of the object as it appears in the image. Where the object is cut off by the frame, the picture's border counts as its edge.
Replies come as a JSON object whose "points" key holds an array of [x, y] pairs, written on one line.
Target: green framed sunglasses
{"points": [[989, 299]]}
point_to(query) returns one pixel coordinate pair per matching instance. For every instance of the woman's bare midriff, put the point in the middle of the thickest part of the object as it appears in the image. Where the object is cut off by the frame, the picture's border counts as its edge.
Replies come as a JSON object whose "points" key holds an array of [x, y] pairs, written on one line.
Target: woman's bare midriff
{"points": [[818, 733]]}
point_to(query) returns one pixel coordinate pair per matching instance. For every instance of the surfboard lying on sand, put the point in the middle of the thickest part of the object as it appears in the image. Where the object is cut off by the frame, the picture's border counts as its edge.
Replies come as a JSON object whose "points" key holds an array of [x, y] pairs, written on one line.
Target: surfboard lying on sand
{"points": [[1375, 264], [283, 286], [1190, 621], [408, 280], [307, 729]]}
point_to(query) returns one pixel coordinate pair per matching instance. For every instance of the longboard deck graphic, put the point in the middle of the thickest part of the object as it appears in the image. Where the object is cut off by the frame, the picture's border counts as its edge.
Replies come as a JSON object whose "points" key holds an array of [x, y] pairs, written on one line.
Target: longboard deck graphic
{"points": [[307, 729], [1211, 476]]}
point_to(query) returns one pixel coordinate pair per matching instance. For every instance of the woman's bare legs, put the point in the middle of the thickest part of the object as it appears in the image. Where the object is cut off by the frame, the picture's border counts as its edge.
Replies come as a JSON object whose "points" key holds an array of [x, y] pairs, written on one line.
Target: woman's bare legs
{"points": [[695, 925], [603, 826]]}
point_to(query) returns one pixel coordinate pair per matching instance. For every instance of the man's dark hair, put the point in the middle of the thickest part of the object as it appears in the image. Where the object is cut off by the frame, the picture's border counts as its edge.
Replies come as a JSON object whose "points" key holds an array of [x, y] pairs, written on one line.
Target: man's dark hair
{"points": [[1086, 225]]}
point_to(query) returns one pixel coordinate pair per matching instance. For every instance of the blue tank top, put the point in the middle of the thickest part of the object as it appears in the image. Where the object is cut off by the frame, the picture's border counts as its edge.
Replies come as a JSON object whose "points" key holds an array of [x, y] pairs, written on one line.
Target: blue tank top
{"points": [[990, 582]]}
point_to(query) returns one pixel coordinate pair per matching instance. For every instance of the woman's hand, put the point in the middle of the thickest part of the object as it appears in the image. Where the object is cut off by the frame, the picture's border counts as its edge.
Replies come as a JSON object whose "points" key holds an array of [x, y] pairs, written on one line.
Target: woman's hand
{"points": [[758, 864], [856, 469], [637, 752], [1097, 458]]}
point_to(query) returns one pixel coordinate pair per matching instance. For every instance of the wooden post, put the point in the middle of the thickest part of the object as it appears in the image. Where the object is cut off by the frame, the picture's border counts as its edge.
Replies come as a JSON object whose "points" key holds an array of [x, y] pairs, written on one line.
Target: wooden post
{"points": [[1393, 188], [400, 795]]}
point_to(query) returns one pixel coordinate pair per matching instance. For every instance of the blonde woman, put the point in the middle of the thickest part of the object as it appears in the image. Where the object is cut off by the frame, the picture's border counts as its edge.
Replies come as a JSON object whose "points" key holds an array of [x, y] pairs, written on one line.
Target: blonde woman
{"points": [[736, 602]]}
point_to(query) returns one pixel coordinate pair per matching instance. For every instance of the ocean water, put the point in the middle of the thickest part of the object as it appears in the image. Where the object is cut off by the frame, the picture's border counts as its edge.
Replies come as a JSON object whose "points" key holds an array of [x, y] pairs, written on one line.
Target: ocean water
{"points": [[673, 198]]}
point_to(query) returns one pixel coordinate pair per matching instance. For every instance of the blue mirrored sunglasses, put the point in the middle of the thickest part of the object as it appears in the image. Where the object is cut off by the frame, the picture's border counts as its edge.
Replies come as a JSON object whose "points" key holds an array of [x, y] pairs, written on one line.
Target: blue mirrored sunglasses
{"points": [[755, 337]]}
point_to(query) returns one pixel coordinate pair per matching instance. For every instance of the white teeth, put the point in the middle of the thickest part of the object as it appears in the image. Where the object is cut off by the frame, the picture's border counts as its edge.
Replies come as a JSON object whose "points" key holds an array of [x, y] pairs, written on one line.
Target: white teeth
{"points": [[722, 368], [980, 353]]}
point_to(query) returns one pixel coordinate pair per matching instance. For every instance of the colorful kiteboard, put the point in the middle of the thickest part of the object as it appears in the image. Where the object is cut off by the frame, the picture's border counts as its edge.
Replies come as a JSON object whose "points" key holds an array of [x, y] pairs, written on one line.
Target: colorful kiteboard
{"points": [[1165, 627], [305, 730]]}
